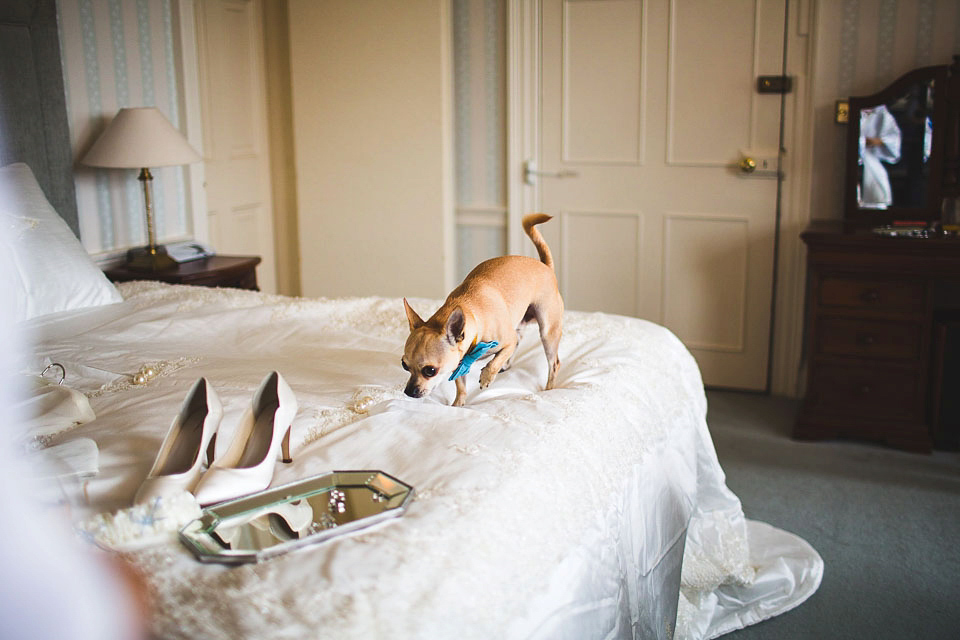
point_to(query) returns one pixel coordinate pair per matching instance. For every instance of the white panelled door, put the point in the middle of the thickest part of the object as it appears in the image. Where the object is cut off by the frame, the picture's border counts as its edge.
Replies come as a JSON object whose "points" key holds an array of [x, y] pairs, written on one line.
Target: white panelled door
{"points": [[653, 104], [236, 150]]}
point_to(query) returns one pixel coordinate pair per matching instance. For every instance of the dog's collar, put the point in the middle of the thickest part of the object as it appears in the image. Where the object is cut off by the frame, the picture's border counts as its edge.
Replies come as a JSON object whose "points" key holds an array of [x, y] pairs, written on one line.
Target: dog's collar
{"points": [[476, 352]]}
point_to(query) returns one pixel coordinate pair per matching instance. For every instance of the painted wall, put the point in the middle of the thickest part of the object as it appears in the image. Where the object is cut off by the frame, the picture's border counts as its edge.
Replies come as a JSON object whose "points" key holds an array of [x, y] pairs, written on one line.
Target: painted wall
{"points": [[120, 54], [861, 47], [276, 49], [372, 122]]}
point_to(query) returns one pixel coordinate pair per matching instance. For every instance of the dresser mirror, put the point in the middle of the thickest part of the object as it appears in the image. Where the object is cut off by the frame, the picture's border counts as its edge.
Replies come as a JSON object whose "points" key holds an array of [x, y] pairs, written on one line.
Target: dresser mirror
{"points": [[895, 150]]}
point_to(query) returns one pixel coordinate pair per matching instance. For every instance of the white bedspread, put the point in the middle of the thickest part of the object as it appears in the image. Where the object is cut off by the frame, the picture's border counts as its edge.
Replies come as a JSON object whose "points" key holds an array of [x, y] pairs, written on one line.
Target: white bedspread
{"points": [[537, 514]]}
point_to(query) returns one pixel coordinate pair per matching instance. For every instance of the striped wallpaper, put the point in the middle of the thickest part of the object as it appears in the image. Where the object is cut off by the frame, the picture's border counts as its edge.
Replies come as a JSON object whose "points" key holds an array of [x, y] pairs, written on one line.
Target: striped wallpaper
{"points": [[879, 40], [120, 53], [863, 46]]}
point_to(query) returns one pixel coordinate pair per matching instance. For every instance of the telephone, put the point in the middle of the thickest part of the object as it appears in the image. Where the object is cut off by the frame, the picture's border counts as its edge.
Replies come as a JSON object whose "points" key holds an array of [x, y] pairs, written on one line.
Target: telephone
{"points": [[188, 250]]}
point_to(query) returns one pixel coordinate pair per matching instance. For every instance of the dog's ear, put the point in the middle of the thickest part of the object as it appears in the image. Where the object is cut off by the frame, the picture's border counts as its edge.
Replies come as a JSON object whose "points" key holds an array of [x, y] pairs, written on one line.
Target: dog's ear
{"points": [[412, 316], [455, 325]]}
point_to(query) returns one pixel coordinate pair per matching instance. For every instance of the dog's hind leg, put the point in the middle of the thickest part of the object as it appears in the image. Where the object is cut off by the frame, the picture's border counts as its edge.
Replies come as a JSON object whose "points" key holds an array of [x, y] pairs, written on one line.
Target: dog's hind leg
{"points": [[509, 362], [551, 348], [551, 328]]}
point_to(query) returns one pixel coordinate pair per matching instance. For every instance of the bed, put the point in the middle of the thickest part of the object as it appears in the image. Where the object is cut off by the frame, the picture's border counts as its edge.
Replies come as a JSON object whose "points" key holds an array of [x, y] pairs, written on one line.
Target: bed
{"points": [[595, 510]]}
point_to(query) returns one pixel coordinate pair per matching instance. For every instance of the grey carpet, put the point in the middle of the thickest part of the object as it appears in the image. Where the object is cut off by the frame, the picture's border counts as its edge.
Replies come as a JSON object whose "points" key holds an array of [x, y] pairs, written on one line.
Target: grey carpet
{"points": [[887, 523]]}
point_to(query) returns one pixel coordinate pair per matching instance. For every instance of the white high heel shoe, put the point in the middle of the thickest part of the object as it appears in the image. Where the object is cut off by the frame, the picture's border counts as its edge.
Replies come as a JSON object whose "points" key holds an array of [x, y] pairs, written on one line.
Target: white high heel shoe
{"points": [[247, 465], [192, 433]]}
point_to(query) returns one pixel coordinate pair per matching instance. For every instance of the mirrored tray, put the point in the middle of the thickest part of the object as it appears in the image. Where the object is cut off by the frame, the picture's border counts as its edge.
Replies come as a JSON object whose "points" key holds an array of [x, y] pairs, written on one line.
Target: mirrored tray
{"points": [[308, 511]]}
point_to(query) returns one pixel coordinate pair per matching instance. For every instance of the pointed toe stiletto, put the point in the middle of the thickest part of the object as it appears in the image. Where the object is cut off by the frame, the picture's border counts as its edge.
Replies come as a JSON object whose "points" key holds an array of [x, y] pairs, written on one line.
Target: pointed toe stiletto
{"points": [[189, 443], [263, 432]]}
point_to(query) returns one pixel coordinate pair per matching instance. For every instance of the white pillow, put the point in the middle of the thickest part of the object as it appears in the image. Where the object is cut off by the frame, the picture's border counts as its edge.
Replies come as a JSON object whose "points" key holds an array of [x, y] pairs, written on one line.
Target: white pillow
{"points": [[43, 263]]}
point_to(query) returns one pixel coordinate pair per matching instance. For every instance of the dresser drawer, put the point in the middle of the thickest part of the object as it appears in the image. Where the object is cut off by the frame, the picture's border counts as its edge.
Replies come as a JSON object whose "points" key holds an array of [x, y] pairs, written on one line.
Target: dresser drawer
{"points": [[857, 292], [886, 392], [869, 338]]}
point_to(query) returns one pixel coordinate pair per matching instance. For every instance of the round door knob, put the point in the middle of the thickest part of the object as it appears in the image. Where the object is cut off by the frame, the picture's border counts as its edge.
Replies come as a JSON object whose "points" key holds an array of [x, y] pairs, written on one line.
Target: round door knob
{"points": [[748, 165]]}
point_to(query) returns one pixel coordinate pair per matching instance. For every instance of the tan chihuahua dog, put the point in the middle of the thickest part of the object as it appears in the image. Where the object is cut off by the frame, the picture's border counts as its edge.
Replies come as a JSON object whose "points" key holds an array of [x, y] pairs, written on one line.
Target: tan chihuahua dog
{"points": [[484, 316]]}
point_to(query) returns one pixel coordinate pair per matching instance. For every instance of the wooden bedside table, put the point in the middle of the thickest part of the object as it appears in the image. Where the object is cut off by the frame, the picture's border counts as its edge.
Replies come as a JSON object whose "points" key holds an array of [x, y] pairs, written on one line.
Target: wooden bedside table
{"points": [[238, 272]]}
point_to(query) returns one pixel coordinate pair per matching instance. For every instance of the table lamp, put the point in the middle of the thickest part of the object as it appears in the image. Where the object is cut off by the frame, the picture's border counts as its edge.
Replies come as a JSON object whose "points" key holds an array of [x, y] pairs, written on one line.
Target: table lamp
{"points": [[139, 138]]}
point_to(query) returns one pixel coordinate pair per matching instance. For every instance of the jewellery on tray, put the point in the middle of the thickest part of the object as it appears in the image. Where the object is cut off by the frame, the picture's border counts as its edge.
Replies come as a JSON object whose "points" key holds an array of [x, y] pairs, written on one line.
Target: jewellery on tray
{"points": [[338, 501]]}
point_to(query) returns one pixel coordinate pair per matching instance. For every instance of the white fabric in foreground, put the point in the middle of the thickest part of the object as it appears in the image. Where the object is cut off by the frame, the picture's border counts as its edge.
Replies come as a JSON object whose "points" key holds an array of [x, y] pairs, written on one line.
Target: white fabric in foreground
{"points": [[52, 270], [52, 586], [537, 514]]}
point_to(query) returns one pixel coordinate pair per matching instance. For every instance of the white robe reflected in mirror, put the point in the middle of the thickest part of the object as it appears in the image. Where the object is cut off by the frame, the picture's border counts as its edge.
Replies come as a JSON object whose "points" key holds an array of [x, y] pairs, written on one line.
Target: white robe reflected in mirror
{"points": [[879, 143]]}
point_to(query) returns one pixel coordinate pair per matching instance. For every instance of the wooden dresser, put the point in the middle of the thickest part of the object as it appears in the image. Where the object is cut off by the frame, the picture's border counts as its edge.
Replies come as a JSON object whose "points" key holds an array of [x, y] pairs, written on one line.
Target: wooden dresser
{"points": [[874, 307]]}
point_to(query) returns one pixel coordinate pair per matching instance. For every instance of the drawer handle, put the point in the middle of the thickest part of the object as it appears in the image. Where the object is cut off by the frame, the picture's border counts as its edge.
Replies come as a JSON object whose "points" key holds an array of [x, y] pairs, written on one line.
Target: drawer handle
{"points": [[870, 295], [865, 389], [865, 339]]}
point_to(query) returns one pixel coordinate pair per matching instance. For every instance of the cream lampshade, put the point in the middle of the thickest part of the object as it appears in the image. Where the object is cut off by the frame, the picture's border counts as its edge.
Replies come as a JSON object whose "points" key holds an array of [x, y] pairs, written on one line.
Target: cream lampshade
{"points": [[140, 138]]}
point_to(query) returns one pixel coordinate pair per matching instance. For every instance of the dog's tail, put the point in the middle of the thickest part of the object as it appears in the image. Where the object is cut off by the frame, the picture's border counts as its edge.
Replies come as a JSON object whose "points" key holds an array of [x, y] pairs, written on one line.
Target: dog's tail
{"points": [[530, 221]]}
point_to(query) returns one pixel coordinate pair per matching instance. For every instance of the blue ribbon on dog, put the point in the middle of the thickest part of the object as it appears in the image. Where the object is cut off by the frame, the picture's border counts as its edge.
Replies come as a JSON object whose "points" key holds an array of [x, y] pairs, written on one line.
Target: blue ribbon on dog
{"points": [[476, 352]]}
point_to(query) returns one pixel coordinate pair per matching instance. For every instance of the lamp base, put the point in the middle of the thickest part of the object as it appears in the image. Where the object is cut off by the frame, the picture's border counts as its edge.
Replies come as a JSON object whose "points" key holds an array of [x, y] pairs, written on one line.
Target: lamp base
{"points": [[150, 259]]}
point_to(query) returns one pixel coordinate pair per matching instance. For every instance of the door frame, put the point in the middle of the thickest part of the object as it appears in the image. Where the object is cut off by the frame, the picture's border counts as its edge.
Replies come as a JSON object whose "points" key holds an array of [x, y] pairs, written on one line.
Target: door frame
{"points": [[523, 143]]}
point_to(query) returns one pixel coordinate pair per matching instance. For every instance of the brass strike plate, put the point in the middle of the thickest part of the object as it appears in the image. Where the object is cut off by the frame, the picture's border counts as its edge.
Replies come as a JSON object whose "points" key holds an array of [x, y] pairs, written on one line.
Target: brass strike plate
{"points": [[842, 112]]}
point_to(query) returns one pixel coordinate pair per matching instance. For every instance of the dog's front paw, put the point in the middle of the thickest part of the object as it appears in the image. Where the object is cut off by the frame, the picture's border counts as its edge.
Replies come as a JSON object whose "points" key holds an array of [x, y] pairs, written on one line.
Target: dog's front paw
{"points": [[487, 376]]}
